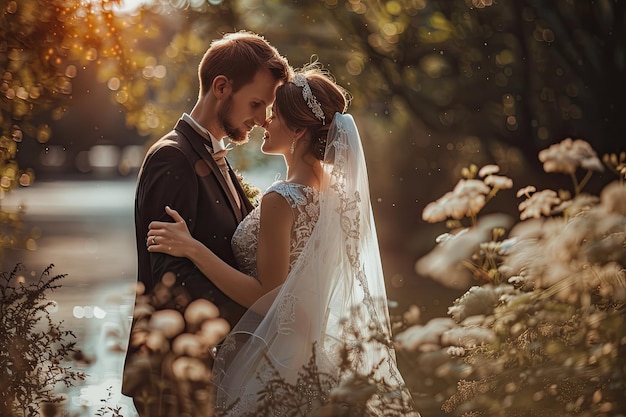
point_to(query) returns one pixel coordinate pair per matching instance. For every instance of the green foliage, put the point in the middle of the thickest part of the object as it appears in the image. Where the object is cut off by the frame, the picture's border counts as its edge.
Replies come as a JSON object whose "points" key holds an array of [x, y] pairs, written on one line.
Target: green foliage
{"points": [[44, 42], [33, 347], [426, 59], [13, 233], [509, 71]]}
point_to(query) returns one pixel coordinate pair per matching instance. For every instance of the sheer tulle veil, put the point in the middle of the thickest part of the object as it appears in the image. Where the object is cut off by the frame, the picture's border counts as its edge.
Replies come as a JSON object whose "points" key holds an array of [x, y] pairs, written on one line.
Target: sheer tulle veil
{"points": [[333, 299]]}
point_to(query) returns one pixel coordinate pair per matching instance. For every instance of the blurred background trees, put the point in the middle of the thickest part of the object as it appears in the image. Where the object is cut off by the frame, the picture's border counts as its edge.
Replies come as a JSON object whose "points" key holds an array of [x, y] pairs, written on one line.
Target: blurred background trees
{"points": [[436, 85]]}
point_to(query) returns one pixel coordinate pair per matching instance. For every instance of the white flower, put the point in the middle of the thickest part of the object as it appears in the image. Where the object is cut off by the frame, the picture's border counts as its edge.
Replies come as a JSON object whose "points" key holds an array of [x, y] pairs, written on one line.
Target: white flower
{"points": [[491, 246], [534, 238], [568, 155], [478, 301], [612, 282], [212, 331], [188, 344], [199, 310], [467, 337], [445, 262], [467, 199], [576, 205], [471, 188], [539, 204], [526, 191], [613, 198], [507, 245], [605, 237], [499, 181], [415, 337], [488, 170], [412, 315], [516, 280], [169, 322], [455, 351], [445, 237], [437, 210]]}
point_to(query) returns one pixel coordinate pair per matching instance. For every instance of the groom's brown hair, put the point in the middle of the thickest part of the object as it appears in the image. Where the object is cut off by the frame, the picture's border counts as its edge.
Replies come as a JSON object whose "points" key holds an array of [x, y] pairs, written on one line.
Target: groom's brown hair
{"points": [[239, 56]]}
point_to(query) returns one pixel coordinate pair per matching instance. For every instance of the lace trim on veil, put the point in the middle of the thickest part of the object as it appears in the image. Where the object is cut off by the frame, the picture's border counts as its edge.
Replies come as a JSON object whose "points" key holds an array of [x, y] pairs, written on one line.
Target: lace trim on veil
{"points": [[350, 209]]}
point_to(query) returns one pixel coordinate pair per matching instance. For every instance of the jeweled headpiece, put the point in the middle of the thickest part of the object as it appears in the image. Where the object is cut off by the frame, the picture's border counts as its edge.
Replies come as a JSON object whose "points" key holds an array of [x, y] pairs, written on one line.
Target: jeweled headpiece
{"points": [[300, 81]]}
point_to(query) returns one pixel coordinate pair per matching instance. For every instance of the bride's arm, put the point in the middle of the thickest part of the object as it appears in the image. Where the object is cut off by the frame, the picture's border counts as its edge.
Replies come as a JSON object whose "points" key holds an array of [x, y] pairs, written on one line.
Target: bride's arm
{"points": [[272, 257]]}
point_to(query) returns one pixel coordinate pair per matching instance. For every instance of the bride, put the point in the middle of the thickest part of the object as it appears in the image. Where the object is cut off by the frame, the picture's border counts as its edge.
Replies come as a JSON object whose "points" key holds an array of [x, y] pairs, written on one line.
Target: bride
{"points": [[309, 271]]}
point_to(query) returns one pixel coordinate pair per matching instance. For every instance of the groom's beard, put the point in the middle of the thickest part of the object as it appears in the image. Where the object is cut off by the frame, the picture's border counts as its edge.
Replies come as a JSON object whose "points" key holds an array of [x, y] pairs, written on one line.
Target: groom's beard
{"points": [[235, 134]]}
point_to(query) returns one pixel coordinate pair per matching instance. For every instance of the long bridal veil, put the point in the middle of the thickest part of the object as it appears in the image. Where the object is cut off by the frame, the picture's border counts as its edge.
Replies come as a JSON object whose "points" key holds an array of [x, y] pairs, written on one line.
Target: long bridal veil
{"points": [[330, 317]]}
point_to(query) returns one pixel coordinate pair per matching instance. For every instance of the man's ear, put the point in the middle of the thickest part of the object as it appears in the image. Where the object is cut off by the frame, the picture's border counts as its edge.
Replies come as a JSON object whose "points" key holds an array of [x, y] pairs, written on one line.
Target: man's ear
{"points": [[221, 86]]}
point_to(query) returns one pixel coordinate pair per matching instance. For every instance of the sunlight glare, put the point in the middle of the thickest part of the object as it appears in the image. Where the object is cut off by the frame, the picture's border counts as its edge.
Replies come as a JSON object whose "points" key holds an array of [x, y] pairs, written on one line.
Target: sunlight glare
{"points": [[127, 6], [124, 6]]}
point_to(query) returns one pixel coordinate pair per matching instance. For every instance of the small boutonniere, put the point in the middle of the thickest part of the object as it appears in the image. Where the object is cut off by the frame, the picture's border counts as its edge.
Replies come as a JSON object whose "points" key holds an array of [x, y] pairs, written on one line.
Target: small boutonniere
{"points": [[253, 193]]}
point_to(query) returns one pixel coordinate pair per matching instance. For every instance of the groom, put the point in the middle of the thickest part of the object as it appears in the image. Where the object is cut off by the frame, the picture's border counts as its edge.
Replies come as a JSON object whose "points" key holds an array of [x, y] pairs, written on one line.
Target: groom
{"points": [[185, 170]]}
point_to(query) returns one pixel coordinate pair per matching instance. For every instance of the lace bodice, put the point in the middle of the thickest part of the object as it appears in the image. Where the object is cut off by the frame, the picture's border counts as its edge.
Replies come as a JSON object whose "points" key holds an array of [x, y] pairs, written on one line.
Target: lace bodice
{"points": [[304, 202]]}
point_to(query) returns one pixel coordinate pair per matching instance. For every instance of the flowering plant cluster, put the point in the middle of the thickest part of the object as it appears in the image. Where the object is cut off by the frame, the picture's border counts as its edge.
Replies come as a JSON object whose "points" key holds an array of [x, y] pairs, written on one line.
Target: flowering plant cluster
{"points": [[171, 341], [541, 331]]}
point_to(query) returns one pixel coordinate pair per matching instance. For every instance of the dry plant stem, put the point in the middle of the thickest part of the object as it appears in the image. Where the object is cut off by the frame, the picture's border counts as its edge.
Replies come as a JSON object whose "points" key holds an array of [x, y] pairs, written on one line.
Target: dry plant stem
{"points": [[491, 194], [578, 187], [477, 271], [26, 379]]}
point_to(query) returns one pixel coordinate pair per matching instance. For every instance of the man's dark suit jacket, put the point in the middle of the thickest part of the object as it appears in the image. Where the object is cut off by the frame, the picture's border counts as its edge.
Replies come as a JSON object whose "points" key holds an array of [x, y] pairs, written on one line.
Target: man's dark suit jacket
{"points": [[178, 171]]}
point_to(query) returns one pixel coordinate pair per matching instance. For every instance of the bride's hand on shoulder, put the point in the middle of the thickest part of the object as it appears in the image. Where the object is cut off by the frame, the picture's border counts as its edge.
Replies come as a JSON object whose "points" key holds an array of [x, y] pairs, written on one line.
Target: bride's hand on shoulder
{"points": [[170, 238]]}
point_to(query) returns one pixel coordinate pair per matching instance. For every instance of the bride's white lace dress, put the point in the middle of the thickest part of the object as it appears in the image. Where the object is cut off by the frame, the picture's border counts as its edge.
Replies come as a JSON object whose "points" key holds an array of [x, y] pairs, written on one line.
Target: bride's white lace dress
{"points": [[328, 324], [304, 202]]}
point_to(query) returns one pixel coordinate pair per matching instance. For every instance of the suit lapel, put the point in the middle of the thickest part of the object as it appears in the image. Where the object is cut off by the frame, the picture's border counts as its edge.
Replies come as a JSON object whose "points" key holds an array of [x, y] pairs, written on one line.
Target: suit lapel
{"points": [[199, 147], [246, 205]]}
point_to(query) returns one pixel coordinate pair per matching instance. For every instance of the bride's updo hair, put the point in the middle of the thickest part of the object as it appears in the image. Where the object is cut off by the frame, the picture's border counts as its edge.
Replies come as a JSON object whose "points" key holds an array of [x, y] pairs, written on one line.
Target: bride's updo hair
{"points": [[295, 110]]}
